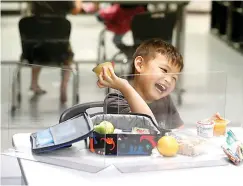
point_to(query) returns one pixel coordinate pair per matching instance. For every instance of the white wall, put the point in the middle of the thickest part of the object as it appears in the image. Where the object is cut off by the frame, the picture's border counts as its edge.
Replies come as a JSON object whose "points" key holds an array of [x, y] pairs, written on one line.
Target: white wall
{"points": [[198, 5]]}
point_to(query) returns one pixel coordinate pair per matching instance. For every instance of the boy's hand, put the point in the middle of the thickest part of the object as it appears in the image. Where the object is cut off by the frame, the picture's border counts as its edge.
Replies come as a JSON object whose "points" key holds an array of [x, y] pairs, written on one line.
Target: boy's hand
{"points": [[111, 81], [216, 116]]}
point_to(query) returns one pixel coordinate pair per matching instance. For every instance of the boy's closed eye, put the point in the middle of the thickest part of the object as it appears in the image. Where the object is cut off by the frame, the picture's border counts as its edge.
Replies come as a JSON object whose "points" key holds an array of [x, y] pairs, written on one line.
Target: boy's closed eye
{"points": [[175, 78], [163, 69]]}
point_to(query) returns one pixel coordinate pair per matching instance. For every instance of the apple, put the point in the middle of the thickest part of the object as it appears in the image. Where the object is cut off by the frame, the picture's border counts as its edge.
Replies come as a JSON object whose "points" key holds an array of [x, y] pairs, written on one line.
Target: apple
{"points": [[105, 127], [98, 68]]}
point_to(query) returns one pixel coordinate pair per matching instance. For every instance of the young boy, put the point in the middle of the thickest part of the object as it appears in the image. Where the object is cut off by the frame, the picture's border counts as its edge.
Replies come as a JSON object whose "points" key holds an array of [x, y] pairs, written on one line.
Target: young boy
{"points": [[155, 67]]}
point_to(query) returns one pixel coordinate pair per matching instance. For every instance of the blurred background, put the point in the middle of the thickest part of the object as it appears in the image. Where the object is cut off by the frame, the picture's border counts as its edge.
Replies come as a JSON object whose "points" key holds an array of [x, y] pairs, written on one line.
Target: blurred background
{"points": [[209, 34]]}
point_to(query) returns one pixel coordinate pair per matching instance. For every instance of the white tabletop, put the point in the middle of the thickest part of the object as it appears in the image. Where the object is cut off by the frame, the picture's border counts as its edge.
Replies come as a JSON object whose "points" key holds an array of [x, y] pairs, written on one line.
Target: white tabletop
{"points": [[45, 174]]}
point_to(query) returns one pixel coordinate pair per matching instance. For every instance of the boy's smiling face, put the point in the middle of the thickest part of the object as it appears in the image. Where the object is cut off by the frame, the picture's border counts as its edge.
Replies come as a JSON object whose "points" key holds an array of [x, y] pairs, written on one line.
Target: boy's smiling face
{"points": [[157, 77]]}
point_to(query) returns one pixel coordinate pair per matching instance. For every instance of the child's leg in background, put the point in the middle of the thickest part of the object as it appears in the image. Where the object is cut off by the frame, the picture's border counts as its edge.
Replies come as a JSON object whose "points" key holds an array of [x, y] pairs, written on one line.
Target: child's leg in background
{"points": [[34, 80], [66, 74], [64, 82]]}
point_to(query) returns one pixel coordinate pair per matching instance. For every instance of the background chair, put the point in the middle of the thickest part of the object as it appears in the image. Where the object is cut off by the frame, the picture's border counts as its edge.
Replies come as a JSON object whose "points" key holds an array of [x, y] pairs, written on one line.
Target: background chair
{"points": [[44, 41], [153, 25], [144, 26], [80, 108]]}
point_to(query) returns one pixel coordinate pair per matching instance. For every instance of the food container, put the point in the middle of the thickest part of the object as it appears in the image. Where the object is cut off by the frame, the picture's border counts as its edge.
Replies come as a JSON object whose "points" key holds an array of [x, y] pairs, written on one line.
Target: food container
{"points": [[233, 148], [220, 127], [189, 144], [205, 128], [130, 136]]}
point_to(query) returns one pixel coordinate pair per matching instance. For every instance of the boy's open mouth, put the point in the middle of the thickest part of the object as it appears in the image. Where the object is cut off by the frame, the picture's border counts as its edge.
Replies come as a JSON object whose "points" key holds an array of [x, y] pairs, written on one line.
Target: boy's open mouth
{"points": [[160, 87]]}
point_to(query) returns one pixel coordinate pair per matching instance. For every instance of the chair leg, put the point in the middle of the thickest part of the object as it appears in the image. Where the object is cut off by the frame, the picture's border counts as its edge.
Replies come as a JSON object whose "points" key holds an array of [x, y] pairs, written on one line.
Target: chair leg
{"points": [[75, 85], [78, 83], [101, 47], [14, 100], [16, 95], [19, 97], [104, 48], [107, 91], [179, 91]]}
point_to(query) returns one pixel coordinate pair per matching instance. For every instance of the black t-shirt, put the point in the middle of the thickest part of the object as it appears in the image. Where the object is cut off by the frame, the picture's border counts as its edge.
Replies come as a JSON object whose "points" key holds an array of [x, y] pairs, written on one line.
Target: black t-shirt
{"points": [[51, 8]]}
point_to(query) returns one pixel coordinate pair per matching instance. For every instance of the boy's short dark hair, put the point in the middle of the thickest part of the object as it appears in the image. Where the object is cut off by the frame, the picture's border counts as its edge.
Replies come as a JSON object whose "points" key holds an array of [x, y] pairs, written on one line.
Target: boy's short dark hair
{"points": [[151, 47]]}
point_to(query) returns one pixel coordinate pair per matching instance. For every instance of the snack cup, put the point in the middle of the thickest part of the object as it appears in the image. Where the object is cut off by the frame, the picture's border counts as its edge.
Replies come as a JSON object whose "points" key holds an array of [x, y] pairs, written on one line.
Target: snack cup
{"points": [[98, 68], [205, 128], [220, 127]]}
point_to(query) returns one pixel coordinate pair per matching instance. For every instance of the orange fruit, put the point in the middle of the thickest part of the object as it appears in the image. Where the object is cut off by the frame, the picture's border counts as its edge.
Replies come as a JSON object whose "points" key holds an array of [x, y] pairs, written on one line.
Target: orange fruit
{"points": [[168, 146]]}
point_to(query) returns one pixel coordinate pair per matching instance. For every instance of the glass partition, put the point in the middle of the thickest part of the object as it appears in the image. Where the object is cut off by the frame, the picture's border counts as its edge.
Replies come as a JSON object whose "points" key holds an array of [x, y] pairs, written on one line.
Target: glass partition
{"points": [[202, 95], [241, 93], [184, 133], [43, 129], [5, 99], [122, 132]]}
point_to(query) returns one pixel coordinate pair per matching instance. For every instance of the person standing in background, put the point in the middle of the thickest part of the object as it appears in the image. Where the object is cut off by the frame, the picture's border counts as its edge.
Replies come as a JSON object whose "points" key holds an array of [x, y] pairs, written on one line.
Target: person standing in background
{"points": [[54, 9]]}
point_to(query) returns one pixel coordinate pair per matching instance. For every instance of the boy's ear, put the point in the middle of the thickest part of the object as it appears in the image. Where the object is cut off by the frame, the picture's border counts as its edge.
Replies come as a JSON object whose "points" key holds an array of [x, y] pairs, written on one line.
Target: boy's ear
{"points": [[139, 63]]}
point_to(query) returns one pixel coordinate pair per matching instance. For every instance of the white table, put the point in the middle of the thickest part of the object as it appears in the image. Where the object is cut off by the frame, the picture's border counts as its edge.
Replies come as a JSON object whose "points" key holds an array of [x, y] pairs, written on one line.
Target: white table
{"points": [[43, 174]]}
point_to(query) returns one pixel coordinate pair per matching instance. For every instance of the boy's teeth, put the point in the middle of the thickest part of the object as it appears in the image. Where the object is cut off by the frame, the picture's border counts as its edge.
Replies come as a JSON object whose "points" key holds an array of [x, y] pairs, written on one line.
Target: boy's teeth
{"points": [[160, 87], [159, 90]]}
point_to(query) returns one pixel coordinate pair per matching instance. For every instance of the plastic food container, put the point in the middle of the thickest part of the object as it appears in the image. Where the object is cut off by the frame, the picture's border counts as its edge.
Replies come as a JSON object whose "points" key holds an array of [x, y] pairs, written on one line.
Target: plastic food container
{"points": [[189, 144], [205, 128], [220, 127]]}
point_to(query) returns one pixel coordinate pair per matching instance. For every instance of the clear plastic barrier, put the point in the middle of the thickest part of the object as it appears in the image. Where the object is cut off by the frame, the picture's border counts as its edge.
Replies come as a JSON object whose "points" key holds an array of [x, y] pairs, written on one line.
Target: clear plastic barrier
{"points": [[199, 96], [241, 93], [128, 140], [42, 128], [194, 112]]}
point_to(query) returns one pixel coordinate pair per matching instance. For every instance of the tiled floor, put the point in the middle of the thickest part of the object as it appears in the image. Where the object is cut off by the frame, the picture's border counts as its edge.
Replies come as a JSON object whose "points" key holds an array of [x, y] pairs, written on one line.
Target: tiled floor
{"points": [[206, 91]]}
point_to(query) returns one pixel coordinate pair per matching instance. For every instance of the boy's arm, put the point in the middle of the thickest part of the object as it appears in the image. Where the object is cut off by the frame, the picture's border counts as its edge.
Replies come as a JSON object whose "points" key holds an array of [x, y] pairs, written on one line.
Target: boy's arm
{"points": [[134, 100]]}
